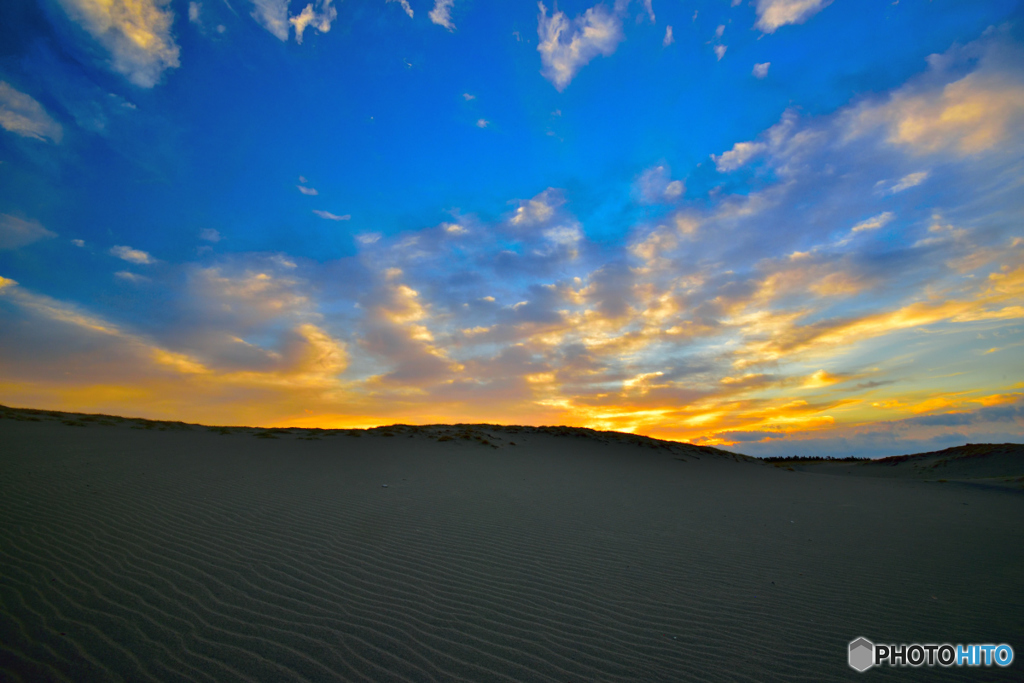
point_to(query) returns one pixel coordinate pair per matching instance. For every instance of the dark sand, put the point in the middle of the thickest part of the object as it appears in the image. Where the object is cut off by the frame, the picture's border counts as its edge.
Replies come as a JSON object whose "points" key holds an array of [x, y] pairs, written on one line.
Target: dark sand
{"points": [[132, 550]]}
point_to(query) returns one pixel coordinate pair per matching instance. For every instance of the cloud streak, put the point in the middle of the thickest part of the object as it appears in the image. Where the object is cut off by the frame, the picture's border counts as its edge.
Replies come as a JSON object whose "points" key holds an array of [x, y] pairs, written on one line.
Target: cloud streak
{"points": [[132, 255], [773, 14], [23, 115], [327, 215], [18, 232]]}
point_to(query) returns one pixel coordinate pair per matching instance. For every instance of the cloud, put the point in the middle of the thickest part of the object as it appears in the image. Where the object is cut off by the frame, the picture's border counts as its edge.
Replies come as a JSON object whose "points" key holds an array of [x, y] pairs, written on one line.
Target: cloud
{"points": [[482, 123], [21, 114], [210, 235], [761, 70], [330, 216], [655, 186], [132, 255], [668, 39], [1008, 413], [213, 376], [537, 210], [136, 33], [405, 6], [273, 16], [466, 96], [567, 46], [194, 8], [750, 436], [442, 14], [78, 243], [320, 19], [771, 14], [740, 154], [17, 232], [249, 297], [874, 223], [821, 378], [976, 113], [649, 9], [564, 234], [311, 191], [906, 182], [720, 51], [130, 277]]}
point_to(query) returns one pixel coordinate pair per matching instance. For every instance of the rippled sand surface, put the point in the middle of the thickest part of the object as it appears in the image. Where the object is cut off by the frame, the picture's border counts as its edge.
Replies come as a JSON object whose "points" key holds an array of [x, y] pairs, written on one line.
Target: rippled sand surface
{"points": [[133, 550]]}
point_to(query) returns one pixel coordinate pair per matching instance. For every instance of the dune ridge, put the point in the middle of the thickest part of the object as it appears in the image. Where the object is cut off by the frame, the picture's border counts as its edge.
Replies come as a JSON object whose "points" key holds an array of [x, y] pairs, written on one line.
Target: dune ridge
{"points": [[143, 550]]}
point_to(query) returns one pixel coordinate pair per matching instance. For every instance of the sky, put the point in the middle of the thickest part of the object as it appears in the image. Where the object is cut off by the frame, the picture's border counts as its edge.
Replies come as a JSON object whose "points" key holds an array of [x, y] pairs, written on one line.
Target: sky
{"points": [[781, 227]]}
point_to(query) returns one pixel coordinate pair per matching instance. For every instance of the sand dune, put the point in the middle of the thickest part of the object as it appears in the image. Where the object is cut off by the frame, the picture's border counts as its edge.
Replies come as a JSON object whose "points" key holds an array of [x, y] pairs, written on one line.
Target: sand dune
{"points": [[136, 550]]}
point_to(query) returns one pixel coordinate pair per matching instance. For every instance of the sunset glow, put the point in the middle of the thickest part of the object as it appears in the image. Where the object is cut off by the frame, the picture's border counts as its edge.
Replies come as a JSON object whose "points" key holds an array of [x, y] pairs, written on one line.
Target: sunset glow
{"points": [[774, 226]]}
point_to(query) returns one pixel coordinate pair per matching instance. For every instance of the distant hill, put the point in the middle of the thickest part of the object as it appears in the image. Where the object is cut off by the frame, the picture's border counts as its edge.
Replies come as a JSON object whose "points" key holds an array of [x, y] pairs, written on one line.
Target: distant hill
{"points": [[1000, 465], [491, 435]]}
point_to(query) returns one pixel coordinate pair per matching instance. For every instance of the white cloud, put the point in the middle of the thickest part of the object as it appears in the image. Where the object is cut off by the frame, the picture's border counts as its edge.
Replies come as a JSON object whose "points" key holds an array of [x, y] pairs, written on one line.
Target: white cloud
{"points": [[908, 181], [405, 6], [537, 210], [875, 222], [564, 234], [78, 243], [21, 114], [17, 232], [482, 123], [567, 46], [136, 33], [194, 8], [130, 277], [368, 238], [132, 255], [210, 235], [970, 115], [761, 70], [720, 51], [466, 96], [771, 14], [442, 14], [320, 19], [650, 10], [273, 16], [719, 31], [330, 216], [655, 185], [741, 153], [307, 190], [668, 39]]}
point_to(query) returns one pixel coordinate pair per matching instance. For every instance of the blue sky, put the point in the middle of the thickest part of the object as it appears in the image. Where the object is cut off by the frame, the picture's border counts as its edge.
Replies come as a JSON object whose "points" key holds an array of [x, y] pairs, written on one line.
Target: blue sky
{"points": [[780, 226]]}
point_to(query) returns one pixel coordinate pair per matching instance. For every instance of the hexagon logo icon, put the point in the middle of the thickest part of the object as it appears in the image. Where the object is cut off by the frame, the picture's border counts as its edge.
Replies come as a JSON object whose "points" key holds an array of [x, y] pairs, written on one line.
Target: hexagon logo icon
{"points": [[862, 654]]}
